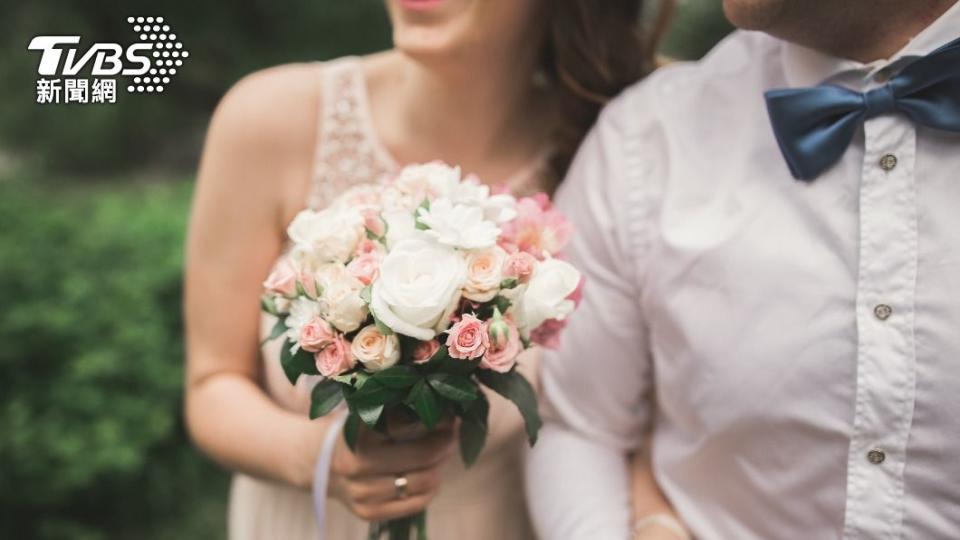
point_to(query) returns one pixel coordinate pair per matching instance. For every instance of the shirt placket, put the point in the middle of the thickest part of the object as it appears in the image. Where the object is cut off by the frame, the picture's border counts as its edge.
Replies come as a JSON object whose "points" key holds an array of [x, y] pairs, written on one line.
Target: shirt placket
{"points": [[886, 370]]}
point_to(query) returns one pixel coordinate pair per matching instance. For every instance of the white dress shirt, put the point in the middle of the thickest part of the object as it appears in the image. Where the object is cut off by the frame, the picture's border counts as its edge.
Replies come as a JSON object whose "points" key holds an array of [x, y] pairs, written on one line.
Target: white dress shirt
{"points": [[794, 347]]}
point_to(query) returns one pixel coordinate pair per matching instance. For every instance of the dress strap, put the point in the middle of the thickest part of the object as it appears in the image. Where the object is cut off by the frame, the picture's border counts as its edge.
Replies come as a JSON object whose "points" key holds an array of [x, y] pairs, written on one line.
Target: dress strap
{"points": [[347, 152]]}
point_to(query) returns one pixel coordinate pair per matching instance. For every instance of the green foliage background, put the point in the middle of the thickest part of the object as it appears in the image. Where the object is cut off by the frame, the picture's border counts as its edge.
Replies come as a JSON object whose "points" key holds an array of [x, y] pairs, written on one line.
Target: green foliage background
{"points": [[93, 205]]}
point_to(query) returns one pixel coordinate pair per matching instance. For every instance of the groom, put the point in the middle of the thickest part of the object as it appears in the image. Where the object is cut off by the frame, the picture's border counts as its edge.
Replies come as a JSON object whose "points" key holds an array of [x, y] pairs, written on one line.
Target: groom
{"points": [[773, 286]]}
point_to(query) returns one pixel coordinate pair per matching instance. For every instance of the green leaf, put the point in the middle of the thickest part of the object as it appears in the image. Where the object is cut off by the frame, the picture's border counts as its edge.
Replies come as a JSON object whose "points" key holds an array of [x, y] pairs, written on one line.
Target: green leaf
{"points": [[296, 364], [443, 363], [517, 389], [268, 304], [421, 226], [473, 430], [398, 376], [351, 430], [277, 331], [424, 401], [373, 393], [454, 387], [366, 294], [502, 303], [324, 397], [370, 414], [509, 283]]}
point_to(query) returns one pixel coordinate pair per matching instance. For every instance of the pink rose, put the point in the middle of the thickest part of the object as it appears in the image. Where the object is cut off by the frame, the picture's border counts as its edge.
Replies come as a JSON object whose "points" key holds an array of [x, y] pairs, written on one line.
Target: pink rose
{"points": [[316, 334], [365, 267], [424, 350], [282, 279], [520, 266], [468, 338], [548, 334], [308, 282], [375, 350], [373, 222], [504, 347], [577, 295], [335, 358]]}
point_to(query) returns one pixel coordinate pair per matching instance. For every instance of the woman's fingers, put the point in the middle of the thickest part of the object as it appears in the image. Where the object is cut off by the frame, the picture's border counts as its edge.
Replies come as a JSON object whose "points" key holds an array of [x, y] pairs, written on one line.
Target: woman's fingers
{"points": [[393, 509], [400, 457], [380, 489]]}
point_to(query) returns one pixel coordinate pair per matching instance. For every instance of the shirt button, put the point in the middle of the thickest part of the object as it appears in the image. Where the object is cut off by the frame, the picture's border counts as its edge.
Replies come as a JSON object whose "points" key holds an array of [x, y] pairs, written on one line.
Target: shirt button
{"points": [[876, 456], [888, 162], [882, 311]]}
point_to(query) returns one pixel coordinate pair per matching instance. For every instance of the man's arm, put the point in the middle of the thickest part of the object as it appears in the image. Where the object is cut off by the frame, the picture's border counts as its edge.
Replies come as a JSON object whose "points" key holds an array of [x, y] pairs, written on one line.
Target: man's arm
{"points": [[595, 386]]}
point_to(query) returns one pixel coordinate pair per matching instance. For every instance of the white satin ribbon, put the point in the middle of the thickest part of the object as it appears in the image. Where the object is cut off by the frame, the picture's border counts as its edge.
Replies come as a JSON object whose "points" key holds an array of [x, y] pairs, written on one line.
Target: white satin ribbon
{"points": [[321, 475]]}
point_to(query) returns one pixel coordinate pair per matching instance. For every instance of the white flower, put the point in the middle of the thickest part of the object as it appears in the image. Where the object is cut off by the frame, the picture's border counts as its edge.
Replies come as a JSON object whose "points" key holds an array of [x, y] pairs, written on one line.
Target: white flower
{"points": [[458, 225], [484, 273], [374, 350], [496, 208], [302, 309], [341, 303], [419, 282], [418, 182], [546, 296], [328, 235], [400, 225]]}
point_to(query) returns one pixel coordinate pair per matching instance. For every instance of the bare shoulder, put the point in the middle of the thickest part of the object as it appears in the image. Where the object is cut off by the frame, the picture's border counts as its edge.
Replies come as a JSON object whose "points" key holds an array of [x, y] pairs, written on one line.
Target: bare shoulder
{"points": [[260, 142], [272, 111]]}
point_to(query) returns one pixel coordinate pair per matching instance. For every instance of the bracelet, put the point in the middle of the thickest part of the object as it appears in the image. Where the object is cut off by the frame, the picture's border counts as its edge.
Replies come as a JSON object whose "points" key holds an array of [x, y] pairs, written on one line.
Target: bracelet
{"points": [[664, 520]]}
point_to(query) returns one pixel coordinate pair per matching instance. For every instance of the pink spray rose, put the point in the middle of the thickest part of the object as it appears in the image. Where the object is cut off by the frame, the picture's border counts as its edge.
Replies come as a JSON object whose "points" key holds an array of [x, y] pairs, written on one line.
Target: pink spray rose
{"points": [[519, 266], [424, 350], [468, 338], [373, 222], [282, 279], [316, 334], [365, 267], [504, 345], [335, 358]]}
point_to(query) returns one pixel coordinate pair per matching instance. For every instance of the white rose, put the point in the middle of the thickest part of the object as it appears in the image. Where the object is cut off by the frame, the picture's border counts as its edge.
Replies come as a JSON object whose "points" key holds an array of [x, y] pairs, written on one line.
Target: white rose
{"points": [[458, 225], [328, 235], [419, 281], [484, 273], [546, 295], [374, 350]]}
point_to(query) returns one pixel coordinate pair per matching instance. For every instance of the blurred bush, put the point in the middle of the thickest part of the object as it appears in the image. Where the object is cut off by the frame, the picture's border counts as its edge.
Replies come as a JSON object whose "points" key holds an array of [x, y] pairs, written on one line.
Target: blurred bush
{"points": [[93, 445], [226, 41]]}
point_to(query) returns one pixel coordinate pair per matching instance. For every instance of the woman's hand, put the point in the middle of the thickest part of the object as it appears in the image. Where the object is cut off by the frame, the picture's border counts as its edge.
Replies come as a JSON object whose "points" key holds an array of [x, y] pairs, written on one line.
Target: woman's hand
{"points": [[366, 480]]}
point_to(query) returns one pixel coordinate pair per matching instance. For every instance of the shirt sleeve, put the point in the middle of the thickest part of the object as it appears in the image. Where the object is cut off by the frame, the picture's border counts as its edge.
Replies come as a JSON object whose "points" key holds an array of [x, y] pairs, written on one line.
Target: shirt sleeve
{"points": [[595, 387]]}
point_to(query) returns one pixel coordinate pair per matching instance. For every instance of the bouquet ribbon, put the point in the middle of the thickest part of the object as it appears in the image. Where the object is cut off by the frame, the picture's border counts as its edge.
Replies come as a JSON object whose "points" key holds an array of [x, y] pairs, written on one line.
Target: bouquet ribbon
{"points": [[321, 474]]}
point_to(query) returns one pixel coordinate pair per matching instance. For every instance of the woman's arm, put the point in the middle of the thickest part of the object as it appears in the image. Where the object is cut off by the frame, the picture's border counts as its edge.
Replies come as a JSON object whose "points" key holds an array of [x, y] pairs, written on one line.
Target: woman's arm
{"points": [[653, 517], [256, 161]]}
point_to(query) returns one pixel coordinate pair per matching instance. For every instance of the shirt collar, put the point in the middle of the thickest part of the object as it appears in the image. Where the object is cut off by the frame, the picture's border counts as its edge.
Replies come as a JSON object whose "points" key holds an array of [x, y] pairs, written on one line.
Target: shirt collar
{"points": [[808, 67]]}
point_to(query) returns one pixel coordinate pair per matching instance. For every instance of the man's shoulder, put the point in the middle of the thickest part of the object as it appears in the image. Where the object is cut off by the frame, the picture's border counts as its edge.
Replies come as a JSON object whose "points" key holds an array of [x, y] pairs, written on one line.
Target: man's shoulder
{"points": [[739, 68]]}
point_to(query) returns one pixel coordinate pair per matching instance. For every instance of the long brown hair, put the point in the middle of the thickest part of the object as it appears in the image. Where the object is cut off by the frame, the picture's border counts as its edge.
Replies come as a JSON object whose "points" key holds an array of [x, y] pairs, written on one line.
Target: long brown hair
{"points": [[594, 50]]}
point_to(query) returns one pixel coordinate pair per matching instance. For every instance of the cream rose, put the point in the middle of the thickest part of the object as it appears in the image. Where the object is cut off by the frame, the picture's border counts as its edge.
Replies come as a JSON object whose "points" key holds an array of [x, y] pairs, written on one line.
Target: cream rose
{"points": [[484, 273], [342, 305], [419, 282], [326, 236], [375, 350]]}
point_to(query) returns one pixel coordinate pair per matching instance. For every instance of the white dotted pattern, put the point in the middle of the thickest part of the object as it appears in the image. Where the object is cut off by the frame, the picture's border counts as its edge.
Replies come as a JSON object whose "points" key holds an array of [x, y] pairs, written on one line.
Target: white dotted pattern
{"points": [[167, 51]]}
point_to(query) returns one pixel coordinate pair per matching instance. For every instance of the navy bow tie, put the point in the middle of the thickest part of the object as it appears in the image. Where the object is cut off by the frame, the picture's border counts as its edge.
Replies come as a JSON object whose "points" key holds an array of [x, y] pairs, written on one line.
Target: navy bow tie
{"points": [[814, 126]]}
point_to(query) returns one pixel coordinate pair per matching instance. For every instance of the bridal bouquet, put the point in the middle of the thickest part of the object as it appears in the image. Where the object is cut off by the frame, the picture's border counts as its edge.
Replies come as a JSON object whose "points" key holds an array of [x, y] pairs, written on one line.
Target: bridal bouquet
{"points": [[406, 297]]}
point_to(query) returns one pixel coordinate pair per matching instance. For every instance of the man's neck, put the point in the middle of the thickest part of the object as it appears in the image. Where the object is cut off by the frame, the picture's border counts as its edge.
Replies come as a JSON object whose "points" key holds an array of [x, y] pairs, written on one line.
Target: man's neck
{"points": [[874, 33]]}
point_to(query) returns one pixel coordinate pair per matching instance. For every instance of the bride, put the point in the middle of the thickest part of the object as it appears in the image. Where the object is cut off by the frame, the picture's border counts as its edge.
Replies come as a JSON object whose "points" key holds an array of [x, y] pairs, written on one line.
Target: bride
{"points": [[504, 88]]}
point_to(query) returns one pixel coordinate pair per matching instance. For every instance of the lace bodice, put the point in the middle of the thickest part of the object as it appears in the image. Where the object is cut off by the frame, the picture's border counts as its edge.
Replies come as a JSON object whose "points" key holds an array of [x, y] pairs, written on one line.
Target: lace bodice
{"points": [[348, 150]]}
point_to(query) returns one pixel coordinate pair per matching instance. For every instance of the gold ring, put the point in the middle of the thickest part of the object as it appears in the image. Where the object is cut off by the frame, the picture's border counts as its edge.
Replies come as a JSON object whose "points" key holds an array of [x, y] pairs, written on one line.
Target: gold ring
{"points": [[400, 486]]}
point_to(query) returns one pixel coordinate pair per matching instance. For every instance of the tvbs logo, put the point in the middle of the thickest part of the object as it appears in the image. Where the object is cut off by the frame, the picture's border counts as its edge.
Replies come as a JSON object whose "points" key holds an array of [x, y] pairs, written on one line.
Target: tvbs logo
{"points": [[149, 63]]}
